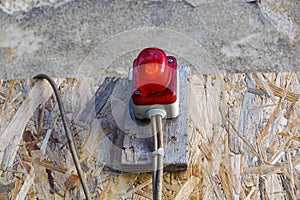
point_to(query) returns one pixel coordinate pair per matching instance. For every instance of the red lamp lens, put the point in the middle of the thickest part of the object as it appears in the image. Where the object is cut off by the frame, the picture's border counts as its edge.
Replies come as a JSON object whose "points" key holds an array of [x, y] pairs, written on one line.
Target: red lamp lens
{"points": [[152, 69], [154, 78]]}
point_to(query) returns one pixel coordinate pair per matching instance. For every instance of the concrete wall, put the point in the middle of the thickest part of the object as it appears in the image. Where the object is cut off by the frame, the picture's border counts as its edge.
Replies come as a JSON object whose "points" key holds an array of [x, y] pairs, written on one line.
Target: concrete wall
{"points": [[101, 38]]}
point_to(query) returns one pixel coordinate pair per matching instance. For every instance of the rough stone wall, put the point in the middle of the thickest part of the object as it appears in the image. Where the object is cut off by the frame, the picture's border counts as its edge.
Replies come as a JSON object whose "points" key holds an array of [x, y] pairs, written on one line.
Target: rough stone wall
{"points": [[101, 38]]}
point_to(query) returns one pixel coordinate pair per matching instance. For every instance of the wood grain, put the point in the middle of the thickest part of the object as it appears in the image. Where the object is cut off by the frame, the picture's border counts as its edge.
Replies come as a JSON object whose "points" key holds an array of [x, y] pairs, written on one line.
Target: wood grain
{"points": [[243, 140], [12, 135]]}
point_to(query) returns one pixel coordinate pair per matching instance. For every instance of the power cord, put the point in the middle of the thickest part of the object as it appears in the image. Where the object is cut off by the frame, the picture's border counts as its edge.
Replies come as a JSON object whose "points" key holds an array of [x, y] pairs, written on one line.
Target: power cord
{"points": [[155, 160], [156, 116], [69, 135]]}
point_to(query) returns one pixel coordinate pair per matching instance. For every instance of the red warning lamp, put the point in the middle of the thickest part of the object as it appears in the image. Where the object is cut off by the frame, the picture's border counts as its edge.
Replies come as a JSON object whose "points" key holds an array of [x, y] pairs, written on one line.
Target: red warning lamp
{"points": [[155, 82]]}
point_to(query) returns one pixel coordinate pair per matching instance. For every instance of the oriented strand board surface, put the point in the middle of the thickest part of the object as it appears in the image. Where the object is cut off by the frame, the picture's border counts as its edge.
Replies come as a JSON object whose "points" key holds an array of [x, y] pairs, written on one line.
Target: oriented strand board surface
{"points": [[243, 141]]}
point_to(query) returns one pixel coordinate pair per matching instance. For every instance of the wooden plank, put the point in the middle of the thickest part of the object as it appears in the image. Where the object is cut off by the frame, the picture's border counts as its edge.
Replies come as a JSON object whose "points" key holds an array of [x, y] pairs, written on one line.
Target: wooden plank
{"points": [[103, 134], [114, 132], [137, 145], [99, 101], [11, 136]]}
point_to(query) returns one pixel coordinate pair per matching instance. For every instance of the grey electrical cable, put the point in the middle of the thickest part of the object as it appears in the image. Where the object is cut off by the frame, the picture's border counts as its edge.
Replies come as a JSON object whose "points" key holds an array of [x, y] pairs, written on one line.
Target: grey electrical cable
{"points": [[160, 158], [69, 135], [157, 174], [155, 147]]}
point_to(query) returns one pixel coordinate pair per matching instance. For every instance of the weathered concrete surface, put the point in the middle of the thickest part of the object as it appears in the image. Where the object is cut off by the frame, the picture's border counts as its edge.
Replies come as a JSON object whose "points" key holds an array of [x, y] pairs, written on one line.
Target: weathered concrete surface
{"points": [[100, 38]]}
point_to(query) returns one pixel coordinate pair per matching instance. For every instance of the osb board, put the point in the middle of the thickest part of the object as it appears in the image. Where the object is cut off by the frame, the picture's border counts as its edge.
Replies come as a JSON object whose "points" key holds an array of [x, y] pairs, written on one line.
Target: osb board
{"points": [[243, 137]]}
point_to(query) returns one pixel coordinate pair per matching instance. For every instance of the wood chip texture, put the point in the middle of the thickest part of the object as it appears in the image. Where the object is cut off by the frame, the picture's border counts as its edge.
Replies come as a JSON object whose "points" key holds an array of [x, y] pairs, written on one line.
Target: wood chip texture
{"points": [[243, 140]]}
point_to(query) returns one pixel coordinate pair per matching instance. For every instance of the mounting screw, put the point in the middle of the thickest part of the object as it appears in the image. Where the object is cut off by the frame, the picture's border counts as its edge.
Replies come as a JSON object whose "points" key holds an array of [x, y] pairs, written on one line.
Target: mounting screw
{"points": [[137, 92], [170, 60]]}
